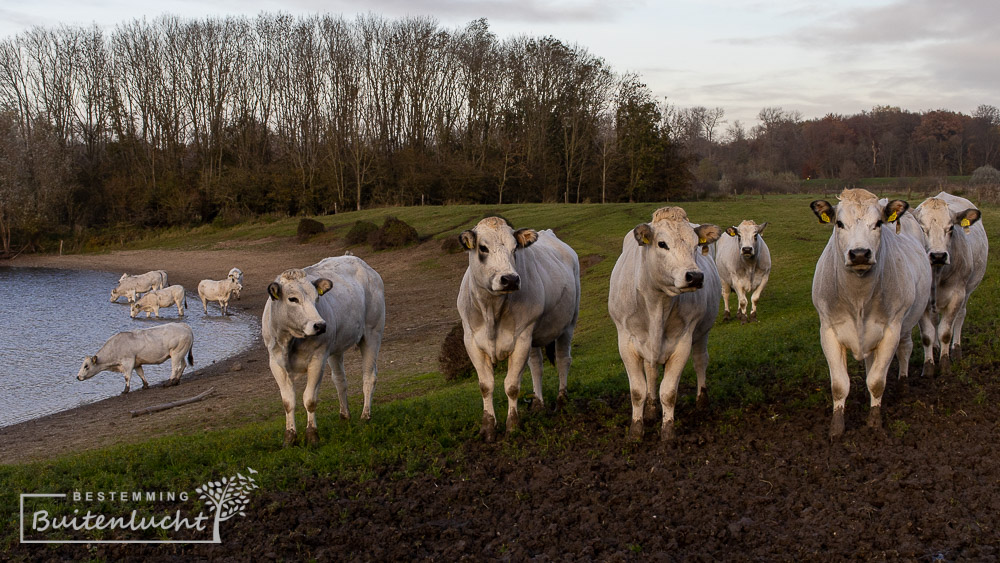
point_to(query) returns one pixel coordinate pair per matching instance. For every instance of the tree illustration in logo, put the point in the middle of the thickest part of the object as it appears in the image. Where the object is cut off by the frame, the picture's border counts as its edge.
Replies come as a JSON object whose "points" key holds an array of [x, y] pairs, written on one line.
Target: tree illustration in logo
{"points": [[229, 497]]}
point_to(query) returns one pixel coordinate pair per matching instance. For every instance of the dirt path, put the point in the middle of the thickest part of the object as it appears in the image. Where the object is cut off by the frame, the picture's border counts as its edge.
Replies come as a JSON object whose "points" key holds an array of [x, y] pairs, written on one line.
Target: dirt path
{"points": [[414, 301]]}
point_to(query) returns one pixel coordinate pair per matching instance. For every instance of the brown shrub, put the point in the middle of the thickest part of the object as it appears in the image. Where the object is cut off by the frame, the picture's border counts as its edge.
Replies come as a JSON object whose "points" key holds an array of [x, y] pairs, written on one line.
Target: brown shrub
{"points": [[453, 359], [360, 232], [308, 228], [392, 234]]}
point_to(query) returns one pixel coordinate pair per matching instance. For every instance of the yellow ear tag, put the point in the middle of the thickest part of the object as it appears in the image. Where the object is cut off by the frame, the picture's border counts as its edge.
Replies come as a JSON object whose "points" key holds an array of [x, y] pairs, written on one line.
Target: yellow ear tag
{"points": [[892, 217], [824, 217], [702, 240], [966, 222], [645, 240], [468, 245]]}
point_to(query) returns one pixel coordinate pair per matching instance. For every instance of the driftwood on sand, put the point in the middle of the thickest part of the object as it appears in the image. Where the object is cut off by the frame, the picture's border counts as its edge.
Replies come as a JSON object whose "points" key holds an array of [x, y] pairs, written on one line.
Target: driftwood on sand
{"points": [[165, 406]]}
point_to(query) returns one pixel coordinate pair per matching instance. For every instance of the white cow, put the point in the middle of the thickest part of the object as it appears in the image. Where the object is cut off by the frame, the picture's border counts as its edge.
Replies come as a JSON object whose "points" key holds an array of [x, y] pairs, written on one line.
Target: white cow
{"points": [[128, 351], [221, 291], [236, 275], [664, 298], [744, 263], [870, 288], [313, 316], [957, 248], [154, 300], [520, 293], [132, 286]]}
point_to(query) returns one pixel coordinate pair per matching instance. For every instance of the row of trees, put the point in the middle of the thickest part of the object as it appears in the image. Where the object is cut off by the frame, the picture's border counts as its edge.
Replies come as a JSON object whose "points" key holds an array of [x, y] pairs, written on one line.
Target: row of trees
{"points": [[180, 121]]}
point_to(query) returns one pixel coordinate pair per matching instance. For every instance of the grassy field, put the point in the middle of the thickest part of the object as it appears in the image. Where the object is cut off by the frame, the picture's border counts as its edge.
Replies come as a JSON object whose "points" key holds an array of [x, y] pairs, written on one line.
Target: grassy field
{"points": [[775, 364]]}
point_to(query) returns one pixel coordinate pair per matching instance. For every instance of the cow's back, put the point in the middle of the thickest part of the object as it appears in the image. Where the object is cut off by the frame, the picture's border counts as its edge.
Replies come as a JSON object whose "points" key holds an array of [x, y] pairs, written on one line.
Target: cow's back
{"points": [[355, 304], [550, 276]]}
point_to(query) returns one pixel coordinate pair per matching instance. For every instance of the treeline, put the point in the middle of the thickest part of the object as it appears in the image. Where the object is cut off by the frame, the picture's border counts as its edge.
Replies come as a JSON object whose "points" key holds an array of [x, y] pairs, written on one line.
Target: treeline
{"points": [[190, 121]]}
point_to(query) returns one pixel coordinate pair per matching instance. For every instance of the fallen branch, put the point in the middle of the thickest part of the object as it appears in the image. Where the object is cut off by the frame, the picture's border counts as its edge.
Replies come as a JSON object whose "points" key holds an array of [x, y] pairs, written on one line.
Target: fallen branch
{"points": [[165, 406]]}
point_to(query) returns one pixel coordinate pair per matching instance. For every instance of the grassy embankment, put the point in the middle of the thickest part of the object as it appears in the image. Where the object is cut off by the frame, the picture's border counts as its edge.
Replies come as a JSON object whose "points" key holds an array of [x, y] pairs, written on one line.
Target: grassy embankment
{"points": [[773, 365]]}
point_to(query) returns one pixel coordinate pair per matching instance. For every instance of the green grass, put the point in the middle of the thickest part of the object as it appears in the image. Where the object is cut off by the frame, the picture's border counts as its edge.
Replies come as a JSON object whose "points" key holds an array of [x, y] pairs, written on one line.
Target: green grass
{"points": [[776, 362]]}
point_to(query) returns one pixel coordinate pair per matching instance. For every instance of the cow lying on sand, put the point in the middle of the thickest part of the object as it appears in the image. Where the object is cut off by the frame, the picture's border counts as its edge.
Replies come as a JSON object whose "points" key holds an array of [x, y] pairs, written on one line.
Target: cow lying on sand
{"points": [[221, 291], [520, 293], [128, 351], [871, 287], [131, 287], [744, 263], [664, 298], [154, 300], [311, 318]]}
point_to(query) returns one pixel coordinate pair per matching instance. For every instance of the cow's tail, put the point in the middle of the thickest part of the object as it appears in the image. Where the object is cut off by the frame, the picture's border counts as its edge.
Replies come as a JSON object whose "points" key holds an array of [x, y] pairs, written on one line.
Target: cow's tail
{"points": [[550, 352], [190, 357]]}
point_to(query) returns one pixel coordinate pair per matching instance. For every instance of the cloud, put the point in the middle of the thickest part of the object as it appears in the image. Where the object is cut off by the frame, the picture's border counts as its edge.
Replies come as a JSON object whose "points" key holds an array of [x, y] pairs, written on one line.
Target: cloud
{"points": [[521, 11]]}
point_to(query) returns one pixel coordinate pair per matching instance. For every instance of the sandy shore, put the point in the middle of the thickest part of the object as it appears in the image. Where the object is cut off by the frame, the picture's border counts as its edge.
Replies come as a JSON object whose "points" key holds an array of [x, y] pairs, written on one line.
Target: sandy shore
{"points": [[420, 309]]}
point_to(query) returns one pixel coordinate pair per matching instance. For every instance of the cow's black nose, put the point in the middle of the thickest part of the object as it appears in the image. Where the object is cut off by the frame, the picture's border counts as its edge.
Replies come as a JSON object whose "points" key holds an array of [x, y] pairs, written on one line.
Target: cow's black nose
{"points": [[694, 279], [320, 328], [939, 258], [859, 255], [747, 250], [510, 281]]}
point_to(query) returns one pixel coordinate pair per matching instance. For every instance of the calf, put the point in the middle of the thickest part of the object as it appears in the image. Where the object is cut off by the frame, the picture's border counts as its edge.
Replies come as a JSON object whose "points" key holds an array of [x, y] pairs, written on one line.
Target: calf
{"points": [[154, 300], [870, 289], [221, 291], [664, 298], [128, 351], [521, 292], [312, 317], [744, 264]]}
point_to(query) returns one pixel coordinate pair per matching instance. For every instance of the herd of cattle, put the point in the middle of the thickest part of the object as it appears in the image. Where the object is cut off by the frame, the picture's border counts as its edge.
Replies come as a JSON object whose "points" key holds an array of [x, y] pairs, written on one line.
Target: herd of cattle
{"points": [[885, 269]]}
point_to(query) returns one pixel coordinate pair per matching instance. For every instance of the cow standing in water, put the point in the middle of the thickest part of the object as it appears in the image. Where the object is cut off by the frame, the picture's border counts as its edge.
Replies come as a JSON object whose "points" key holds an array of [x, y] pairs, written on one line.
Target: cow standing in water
{"points": [[871, 287], [311, 318], [521, 292], [664, 298], [744, 263]]}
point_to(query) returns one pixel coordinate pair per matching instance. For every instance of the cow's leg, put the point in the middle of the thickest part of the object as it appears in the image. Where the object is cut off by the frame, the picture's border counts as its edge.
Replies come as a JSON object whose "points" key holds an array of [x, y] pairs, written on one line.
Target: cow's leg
{"points": [[949, 312], [956, 334], [512, 383], [484, 370], [180, 308], [650, 403], [127, 367], [142, 376], [742, 290], [369, 354], [204, 303], [564, 359], [287, 388], [310, 397], [882, 356], [840, 380], [699, 355], [535, 361], [669, 386], [903, 351], [636, 382], [725, 298], [756, 296], [928, 335], [177, 365], [339, 376]]}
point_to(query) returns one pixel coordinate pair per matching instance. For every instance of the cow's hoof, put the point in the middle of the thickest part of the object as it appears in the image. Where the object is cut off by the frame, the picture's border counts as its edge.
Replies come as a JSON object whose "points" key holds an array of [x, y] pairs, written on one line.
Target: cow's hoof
{"points": [[635, 431], [945, 365], [537, 406], [290, 436], [956, 352], [488, 429], [345, 416], [145, 385], [312, 436], [561, 400], [875, 417], [928, 370], [172, 382], [513, 421], [667, 433], [753, 317], [366, 416], [701, 403], [725, 318], [124, 391], [837, 425], [649, 413]]}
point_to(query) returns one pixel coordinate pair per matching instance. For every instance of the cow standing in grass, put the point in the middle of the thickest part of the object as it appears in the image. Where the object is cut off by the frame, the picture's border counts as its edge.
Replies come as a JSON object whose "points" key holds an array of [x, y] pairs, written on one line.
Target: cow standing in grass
{"points": [[520, 293], [664, 298], [128, 351], [744, 263], [957, 248], [871, 287], [313, 316]]}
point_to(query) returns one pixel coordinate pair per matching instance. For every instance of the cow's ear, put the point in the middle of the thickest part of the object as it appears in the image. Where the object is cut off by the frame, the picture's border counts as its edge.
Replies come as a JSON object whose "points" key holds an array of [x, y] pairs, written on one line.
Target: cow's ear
{"points": [[967, 218], [643, 234], [322, 285], [823, 210], [93, 359], [468, 239], [708, 233], [731, 231], [894, 210], [525, 237], [274, 290], [761, 227]]}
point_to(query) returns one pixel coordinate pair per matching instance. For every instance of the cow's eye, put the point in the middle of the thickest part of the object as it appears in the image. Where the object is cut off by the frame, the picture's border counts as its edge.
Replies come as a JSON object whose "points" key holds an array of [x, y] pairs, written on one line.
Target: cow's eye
{"points": [[483, 249], [840, 225], [877, 224], [662, 245], [293, 299]]}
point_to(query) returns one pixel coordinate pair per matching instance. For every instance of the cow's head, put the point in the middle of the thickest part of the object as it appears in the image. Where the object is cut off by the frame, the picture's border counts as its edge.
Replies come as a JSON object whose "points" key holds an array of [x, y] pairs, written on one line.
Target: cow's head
{"points": [[293, 303], [669, 246], [491, 246], [133, 308], [746, 237], [115, 295], [938, 223], [237, 287], [89, 369], [858, 221]]}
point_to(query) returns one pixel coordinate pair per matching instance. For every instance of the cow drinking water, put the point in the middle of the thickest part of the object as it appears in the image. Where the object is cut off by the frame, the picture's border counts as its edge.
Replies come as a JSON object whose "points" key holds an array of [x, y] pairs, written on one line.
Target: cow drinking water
{"points": [[128, 351]]}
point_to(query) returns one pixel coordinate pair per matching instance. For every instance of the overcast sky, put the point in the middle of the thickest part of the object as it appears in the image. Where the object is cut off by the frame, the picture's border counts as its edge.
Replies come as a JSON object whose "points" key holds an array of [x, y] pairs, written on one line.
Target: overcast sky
{"points": [[814, 57]]}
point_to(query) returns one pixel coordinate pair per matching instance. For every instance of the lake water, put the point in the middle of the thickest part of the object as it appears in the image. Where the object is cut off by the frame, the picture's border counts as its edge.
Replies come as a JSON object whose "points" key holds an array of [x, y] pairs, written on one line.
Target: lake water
{"points": [[51, 319]]}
